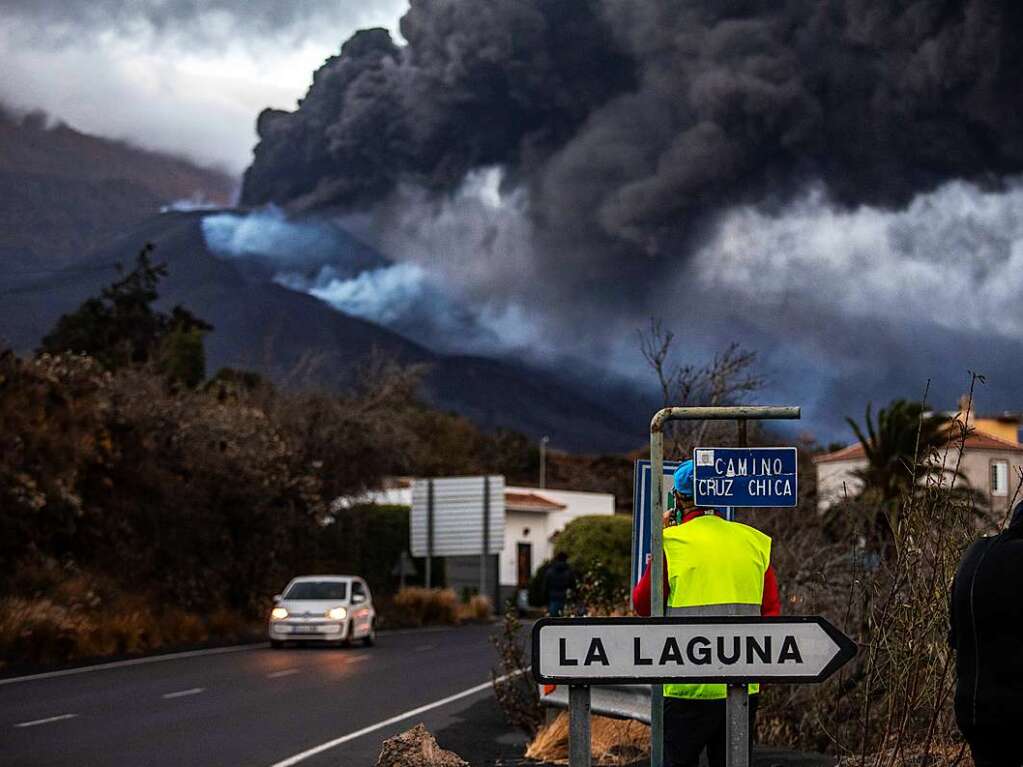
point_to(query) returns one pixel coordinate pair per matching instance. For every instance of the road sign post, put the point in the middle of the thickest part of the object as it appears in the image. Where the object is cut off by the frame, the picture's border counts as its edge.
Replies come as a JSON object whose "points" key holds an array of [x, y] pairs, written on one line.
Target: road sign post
{"points": [[579, 725], [735, 650], [742, 415]]}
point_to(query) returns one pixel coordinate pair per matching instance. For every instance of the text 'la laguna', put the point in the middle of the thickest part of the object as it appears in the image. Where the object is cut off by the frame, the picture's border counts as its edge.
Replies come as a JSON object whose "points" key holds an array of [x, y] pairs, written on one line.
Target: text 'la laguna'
{"points": [[696, 651]]}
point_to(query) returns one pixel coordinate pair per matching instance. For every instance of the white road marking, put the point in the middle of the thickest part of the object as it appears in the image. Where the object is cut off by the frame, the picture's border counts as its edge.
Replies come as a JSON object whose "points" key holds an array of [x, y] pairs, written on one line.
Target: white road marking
{"points": [[48, 719], [386, 723], [358, 658], [183, 693], [282, 672], [133, 662]]}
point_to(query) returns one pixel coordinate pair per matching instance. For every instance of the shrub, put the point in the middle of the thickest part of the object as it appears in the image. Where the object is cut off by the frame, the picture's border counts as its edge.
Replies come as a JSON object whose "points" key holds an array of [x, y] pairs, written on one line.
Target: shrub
{"points": [[517, 693], [478, 609], [424, 607], [599, 549]]}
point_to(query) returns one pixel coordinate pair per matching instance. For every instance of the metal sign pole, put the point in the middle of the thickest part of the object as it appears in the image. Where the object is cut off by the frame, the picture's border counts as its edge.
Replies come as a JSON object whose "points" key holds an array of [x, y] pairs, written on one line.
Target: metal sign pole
{"points": [[656, 545], [486, 538], [429, 532], [579, 726], [656, 582], [737, 734]]}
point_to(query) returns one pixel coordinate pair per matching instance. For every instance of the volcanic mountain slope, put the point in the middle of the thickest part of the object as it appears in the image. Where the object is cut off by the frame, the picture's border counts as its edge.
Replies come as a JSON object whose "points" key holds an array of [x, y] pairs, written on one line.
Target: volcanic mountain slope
{"points": [[63, 192], [293, 337]]}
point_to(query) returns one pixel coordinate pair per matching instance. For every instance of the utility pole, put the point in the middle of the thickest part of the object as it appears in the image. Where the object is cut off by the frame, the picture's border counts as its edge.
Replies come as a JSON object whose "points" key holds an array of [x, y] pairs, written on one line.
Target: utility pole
{"points": [[543, 460]]}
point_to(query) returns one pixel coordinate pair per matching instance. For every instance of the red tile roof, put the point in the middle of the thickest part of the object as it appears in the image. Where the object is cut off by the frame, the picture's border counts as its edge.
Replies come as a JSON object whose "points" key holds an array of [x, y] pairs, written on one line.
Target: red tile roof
{"points": [[976, 440], [530, 502]]}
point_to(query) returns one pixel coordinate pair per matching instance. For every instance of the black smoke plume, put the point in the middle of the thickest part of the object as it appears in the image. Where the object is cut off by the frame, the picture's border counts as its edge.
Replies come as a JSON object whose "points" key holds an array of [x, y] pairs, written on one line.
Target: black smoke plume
{"points": [[632, 124]]}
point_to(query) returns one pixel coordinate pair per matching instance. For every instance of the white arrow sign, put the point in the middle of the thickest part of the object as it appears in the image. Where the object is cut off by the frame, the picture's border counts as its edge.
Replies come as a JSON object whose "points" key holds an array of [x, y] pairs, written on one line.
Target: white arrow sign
{"points": [[652, 650]]}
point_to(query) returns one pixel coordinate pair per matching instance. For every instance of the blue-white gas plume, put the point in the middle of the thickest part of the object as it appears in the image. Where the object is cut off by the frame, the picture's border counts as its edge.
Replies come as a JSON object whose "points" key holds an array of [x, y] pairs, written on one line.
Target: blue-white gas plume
{"points": [[316, 256]]}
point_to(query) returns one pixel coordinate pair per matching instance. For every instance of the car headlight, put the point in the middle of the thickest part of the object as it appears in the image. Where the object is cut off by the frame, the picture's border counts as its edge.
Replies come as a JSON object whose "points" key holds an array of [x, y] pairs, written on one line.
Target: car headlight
{"points": [[278, 614], [337, 613]]}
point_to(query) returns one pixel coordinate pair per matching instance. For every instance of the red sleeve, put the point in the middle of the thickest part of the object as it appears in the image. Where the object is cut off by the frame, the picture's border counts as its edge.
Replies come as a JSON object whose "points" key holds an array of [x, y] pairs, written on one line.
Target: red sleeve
{"points": [[771, 604], [641, 593]]}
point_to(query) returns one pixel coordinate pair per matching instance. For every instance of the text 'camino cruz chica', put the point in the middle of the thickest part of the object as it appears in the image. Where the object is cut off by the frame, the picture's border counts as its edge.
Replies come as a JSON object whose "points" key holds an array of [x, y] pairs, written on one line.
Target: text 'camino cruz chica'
{"points": [[747, 476]]}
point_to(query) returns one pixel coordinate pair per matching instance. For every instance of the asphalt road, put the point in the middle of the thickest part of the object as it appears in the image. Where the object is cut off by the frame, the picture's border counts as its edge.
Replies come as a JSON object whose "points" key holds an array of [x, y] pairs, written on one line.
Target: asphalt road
{"points": [[248, 706]]}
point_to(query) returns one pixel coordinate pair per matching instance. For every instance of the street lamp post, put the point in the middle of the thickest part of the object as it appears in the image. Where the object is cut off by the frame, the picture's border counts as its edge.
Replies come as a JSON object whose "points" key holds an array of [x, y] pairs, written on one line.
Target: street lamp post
{"points": [[543, 461]]}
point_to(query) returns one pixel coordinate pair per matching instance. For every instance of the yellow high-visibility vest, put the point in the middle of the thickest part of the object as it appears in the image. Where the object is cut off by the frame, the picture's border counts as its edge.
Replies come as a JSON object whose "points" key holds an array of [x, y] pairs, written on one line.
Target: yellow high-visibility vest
{"points": [[715, 567]]}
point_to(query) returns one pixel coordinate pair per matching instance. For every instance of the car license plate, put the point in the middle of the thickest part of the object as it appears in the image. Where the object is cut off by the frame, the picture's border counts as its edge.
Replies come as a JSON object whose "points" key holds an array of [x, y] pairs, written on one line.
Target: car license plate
{"points": [[307, 629]]}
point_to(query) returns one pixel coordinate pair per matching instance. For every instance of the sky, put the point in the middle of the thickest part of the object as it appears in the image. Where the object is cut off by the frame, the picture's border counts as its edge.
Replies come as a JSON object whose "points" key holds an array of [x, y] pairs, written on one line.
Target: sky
{"points": [[186, 76]]}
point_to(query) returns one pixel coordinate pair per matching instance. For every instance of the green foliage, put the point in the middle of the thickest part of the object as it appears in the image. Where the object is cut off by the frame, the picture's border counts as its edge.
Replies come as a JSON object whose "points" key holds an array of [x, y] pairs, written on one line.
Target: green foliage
{"points": [[600, 547], [903, 437], [369, 539], [121, 327], [182, 356], [205, 500]]}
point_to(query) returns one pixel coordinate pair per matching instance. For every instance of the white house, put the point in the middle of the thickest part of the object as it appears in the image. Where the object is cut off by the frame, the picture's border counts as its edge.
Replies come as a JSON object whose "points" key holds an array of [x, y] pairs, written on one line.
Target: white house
{"points": [[991, 461], [533, 519]]}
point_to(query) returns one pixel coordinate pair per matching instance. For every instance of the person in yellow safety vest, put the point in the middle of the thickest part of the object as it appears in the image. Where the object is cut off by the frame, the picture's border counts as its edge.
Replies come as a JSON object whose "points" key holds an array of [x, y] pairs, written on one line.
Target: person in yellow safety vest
{"points": [[711, 567]]}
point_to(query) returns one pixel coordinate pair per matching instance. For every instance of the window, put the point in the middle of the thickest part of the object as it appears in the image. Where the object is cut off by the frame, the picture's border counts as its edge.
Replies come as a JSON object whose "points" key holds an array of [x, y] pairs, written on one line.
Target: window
{"points": [[314, 590], [999, 478]]}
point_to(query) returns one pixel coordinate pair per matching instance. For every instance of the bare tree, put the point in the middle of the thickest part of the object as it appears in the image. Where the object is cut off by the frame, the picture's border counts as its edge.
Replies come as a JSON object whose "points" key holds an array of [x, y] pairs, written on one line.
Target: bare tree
{"points": [[728, 379]]}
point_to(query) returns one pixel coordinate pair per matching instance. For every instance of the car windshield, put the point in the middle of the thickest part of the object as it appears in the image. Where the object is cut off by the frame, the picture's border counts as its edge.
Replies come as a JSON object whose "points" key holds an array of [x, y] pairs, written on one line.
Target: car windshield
{"points": [[318, 590]]}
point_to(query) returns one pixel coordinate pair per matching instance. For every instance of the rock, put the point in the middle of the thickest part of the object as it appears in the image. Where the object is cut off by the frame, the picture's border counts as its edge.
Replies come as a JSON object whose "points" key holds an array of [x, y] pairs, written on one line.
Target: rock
{"points": [[417, 748]]}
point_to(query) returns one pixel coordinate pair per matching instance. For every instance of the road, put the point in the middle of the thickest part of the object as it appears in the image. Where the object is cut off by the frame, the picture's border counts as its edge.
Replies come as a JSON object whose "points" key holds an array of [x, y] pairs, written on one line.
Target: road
{"points": [[247, 706]]}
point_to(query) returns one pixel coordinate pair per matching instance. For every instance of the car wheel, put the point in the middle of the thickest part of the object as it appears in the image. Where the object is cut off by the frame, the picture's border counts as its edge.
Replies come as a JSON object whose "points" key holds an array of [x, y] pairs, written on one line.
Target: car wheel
{"points": [[276, 644], [347, 641], [371, 638]]}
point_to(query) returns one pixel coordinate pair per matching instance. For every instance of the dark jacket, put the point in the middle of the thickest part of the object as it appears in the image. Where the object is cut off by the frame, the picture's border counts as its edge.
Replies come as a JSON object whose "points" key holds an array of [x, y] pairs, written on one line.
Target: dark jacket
{"points": [[987, 631], [558, 580]]}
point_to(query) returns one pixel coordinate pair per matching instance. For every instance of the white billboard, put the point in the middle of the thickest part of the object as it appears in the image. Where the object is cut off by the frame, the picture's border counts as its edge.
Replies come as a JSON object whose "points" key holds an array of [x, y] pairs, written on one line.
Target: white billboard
{"points": [[458, 512]]}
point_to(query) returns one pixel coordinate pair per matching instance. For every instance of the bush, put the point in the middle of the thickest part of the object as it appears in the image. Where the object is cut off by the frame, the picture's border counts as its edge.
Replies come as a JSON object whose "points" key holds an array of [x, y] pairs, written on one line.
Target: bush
{"points": [[88, 616], [599, 549], [423, 607], [369, 540], [478, 609]]}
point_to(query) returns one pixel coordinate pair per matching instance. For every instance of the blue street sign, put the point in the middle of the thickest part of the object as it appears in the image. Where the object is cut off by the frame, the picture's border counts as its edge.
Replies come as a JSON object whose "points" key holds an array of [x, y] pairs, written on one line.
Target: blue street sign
{"points": [[641, 514], [745, 476]]}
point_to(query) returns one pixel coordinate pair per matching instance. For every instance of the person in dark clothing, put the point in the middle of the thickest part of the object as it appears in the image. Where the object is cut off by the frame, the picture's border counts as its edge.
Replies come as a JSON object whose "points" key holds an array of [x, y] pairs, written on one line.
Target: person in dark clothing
{"points": [[986, 616], [558, 580]]}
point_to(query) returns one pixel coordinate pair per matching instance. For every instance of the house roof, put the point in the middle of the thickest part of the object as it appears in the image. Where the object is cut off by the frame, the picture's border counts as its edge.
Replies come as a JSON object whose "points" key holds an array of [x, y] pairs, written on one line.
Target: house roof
{"points": [[516, 501], [975, 440]]}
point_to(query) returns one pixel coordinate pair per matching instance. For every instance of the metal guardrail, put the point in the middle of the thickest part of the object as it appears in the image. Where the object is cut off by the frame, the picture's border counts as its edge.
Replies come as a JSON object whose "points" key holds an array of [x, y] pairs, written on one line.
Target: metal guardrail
{"points": [[621, 701]]}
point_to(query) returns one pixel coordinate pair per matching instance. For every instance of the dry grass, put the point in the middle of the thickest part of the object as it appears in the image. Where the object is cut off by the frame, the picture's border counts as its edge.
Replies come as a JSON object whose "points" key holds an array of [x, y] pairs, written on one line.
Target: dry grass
{"points": [[478, 609], [422, 607], [613, 742], [71, 616], [943, 754]]}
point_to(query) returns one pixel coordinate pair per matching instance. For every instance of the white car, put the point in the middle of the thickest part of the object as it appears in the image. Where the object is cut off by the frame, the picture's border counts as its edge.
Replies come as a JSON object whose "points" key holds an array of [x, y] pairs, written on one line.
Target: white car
{"points": [[323, 608]]}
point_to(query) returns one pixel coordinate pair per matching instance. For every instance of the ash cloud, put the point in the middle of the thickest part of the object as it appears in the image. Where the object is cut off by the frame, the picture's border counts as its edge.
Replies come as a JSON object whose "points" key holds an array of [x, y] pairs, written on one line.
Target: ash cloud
{"points": [[651, 151], [634, 124]]}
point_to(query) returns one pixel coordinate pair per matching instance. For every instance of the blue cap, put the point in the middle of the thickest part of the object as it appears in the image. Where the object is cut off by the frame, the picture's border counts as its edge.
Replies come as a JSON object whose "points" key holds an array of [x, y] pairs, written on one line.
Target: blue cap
{"points": [[684, 479]]}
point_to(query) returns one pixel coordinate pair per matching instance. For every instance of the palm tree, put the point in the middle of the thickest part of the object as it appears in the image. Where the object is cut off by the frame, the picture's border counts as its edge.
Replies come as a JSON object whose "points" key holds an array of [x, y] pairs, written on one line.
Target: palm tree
{"points": [[902, 450], [898, 448]]}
